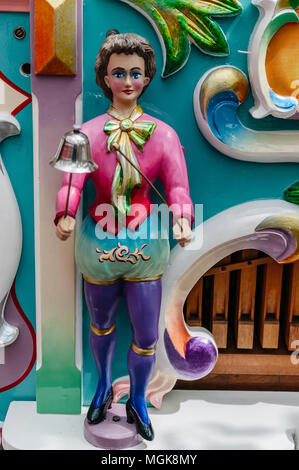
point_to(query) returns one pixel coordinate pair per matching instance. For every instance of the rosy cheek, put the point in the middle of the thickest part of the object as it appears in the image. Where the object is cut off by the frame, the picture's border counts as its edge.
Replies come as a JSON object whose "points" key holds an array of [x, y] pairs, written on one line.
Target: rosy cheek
{"points": [[117, 85], [138, 85]]}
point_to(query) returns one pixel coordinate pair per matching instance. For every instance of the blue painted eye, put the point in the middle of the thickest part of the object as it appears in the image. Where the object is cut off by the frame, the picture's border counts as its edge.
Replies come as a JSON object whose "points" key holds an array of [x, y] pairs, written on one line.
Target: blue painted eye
{"points": [[136, 75], [119, 75]]}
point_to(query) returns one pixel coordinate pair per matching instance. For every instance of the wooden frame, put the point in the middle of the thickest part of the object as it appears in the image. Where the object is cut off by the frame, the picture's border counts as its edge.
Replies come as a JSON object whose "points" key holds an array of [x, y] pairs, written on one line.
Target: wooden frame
{"points": [[262, 322]]}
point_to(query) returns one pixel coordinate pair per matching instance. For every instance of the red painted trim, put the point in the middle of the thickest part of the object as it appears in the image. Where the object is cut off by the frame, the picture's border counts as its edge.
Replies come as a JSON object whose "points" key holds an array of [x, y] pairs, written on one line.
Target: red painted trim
{"points": [[17, 88], [21, 106], [32, 332], [15, 5]]}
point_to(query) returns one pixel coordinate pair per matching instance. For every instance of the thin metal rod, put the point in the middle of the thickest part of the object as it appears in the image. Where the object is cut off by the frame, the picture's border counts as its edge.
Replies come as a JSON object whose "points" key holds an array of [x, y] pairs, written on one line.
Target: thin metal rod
{"points": [[117, 149], [68, 195]]}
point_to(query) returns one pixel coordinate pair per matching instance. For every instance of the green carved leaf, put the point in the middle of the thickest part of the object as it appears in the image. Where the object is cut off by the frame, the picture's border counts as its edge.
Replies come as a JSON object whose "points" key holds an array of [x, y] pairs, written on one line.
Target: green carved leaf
{"points": [[291, 194], [179, 21], [294, 3], [176, 42], [208, 7], [207, 35]]}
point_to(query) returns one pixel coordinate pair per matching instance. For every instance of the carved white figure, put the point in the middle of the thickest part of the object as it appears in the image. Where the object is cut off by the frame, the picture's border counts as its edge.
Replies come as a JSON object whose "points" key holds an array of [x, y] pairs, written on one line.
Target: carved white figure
{"points": [[10, 233]]}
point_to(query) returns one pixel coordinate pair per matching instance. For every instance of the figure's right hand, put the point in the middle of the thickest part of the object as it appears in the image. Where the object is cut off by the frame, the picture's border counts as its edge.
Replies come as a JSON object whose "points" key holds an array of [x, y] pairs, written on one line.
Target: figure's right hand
{"points": [[65, 227]]}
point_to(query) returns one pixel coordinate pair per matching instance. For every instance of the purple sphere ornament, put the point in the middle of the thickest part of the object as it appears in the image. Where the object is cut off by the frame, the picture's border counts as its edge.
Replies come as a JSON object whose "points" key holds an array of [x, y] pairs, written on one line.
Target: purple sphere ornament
{"points": [[200, 357]]}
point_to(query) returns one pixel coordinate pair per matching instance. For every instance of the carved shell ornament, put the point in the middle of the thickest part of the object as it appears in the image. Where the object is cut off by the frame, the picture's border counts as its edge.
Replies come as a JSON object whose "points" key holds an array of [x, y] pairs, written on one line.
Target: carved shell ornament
{"points": [[221, 90], [272, 69]]}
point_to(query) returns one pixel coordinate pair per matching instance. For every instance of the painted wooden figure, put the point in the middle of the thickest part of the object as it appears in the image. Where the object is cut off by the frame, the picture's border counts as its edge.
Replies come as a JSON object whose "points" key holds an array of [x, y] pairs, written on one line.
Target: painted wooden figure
{"points": [[123, 249]]}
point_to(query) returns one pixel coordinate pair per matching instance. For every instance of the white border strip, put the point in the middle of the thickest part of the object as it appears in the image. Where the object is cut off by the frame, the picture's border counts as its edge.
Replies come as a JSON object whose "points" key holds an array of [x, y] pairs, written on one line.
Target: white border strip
{"points": [[36, 172], [2, 358]]}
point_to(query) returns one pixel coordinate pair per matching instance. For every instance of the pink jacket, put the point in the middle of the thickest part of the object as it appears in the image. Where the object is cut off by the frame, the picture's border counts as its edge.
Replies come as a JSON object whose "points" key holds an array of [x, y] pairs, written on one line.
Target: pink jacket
{"points": [[162, 158]]}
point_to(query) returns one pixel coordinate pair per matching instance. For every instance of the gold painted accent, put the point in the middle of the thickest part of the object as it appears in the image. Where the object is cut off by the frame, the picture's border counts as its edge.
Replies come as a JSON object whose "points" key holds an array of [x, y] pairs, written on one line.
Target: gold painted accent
{"points": [[65, 25], [138, 279], [55, 3], [289, 222], [126, 125], [282, 5], [135, 114], [98, 332], [224, 78], [122, 254], [142, 352], [131, 279], [55, 37], [93, 281]]}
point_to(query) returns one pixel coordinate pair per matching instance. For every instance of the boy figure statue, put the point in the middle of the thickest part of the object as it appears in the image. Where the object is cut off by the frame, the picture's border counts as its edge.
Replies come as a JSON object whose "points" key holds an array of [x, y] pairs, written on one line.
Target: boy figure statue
{"points": [[118, 251]]}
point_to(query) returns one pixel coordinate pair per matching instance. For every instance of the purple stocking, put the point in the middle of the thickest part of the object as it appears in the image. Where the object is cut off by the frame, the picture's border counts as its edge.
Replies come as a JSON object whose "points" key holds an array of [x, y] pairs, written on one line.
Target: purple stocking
{"points": [[143, 300], [102, 302]]}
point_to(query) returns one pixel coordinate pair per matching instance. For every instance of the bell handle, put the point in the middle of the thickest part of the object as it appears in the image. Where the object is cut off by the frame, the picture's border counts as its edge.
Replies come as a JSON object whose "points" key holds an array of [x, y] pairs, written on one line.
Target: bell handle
{"points": [[68, 195]]}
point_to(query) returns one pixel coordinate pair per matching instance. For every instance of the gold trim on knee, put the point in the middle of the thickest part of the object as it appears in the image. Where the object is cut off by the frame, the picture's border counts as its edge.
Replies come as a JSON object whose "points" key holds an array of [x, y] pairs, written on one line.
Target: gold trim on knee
{"points": [[142, 352], [98, 332], [99, 283], [140, 279]]}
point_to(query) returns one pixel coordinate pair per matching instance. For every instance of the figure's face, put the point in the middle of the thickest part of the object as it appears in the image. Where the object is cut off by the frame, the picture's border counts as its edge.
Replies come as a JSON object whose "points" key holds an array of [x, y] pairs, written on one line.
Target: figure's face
{"points": [[126, 77]]}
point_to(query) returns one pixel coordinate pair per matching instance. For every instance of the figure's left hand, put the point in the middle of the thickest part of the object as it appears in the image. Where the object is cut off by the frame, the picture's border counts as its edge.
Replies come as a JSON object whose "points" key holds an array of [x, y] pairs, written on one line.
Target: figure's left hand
{"points": [[182, 231]]}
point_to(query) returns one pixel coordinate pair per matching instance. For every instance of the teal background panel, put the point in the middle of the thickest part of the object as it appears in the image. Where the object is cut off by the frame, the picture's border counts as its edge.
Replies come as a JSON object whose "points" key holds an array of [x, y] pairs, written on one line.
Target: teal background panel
{"points": [[17, 155], [216, 181]]}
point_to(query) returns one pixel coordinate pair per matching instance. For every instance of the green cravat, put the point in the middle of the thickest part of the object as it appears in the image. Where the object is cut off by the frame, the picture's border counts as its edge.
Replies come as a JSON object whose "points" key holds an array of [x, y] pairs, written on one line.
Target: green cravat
{"points": [[126, 177]]}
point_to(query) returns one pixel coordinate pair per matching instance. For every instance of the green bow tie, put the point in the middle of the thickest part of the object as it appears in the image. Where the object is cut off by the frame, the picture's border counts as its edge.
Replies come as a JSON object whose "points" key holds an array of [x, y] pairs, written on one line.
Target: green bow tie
{"points": [[126, 177]]}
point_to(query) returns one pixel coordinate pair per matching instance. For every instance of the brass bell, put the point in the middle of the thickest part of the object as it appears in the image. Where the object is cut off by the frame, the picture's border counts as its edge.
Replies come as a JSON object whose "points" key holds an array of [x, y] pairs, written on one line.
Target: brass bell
{"points": [[74, 154]]}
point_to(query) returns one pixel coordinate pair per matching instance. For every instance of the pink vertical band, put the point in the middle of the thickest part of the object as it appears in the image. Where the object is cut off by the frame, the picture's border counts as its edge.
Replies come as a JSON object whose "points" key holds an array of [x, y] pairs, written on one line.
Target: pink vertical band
{"points": [[15, 5]]}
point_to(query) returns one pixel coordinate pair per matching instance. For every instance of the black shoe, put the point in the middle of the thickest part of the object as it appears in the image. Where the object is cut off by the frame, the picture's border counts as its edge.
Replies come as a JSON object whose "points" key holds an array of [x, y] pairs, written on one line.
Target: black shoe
{"points": [[97, 414], [145, 430]]}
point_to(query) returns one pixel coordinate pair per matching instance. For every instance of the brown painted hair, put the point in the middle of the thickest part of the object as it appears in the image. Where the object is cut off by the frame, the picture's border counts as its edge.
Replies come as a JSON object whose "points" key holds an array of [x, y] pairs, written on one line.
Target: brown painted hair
{"points": [[128, 43]]}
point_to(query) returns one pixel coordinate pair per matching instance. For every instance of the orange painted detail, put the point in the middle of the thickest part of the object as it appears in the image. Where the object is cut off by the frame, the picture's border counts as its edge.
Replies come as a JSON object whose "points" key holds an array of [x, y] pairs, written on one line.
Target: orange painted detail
{"points": [[178, 333], [282, 61], [55, 67], [52, 35], [44, 35]]}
